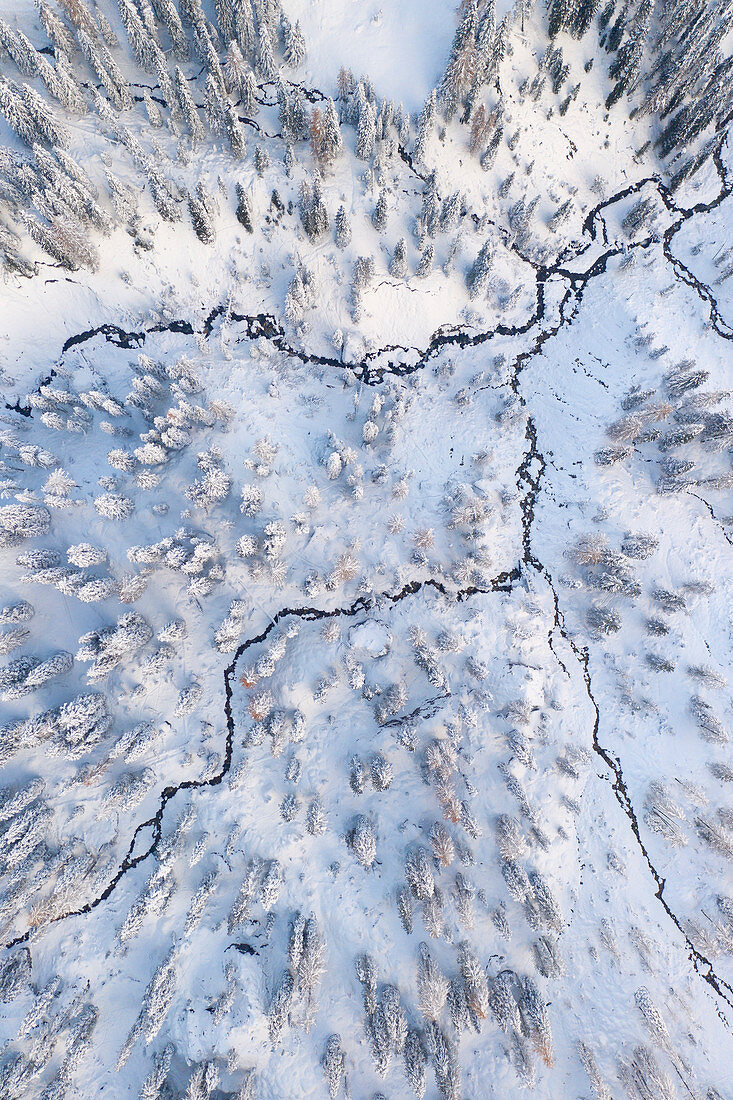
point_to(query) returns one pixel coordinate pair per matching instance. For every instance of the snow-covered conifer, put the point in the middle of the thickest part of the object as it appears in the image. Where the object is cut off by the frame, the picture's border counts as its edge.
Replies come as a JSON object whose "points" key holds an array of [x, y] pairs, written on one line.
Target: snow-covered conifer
{"points": [[202, 222], [425, 125], [379, 217], [432, 985], [266, 64], [398, 263], [332, 142], [343, 228], [214, 106], [248, 91], [367, 133], [419, 874], [416, 1059], [333, 1063], [244, 209], [294, 52], [137, 34], [479, 275], [187, 107], [363, 842]]}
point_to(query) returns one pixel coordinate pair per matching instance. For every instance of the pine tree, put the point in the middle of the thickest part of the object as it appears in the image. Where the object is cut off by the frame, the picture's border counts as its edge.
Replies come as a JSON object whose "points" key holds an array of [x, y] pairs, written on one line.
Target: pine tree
{"points": [[295, 300], [295, 51], [168, 15], [266, 65], [225, 18], [155, 118], [235, 133], [398, 263], [447, 1070], [236, 70], [479, 274], [425, 125], [15, 113], [415, 1063], [333, 1065], [367, 132], [69, 91], [343, 228], [137, 34], [379, 217], [313, 211], [188, 107], [363, 842], [262, 160], [249, 90], [56, 29], [48, 128], [201, 218], [244, 210], [432, 985], [214, 106], [244, 28], [106, 70], [19, 48], [332, 144]]}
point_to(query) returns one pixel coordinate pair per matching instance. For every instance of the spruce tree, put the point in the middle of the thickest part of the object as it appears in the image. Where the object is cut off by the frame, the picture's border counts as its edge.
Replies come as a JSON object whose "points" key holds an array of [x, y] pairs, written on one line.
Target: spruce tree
{"points": [[343, 228], [425, 265], [479, 275], [168, 14], [137, 34], [201, 218], [244, 210], [333, 143], [294, 53], [249, 90], [367, 132], [244, 28], [266, 65], [236, 70], [379, 217], [425, 125], [398, 264], [188, 107]]}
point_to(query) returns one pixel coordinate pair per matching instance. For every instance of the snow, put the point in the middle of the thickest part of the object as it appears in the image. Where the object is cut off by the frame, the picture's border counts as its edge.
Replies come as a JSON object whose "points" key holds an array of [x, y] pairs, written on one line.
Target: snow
{"points": [[404, 635]]}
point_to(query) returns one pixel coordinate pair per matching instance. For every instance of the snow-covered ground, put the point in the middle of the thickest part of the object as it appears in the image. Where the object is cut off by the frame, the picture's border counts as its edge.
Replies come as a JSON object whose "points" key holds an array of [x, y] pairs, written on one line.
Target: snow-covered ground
{"points": [[365, 715]]}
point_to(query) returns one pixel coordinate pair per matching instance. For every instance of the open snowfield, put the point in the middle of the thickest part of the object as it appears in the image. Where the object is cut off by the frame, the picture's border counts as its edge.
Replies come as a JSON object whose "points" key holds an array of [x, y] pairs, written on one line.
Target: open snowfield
{"points": [[365, 550]]}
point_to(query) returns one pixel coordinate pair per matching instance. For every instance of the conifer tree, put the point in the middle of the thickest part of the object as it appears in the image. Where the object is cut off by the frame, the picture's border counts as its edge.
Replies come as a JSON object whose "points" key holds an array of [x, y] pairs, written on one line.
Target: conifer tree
{"points": [[106, 70], [168, 14], [137, 34], [367, 132], [249, 89], [19, 48], [343, 228], [201, 218], [295, 51], [425, 125], [379, 217], [244, 28], [266, 65], [188, 107], [236, 70], [425, 266], [214, 106], [152, 109], [479, 275], [398, 264], [244, 210], [332, 141], [225, 18], [235, 133]]}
